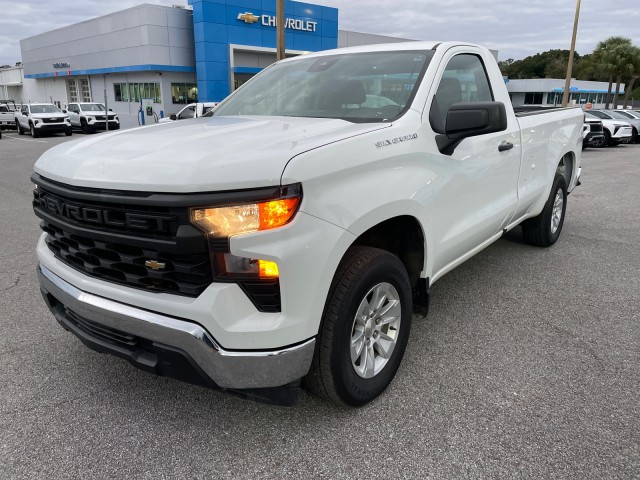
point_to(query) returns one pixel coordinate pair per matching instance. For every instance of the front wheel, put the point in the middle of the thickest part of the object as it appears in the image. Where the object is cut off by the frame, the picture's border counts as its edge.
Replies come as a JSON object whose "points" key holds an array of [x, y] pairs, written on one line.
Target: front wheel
{"points": [[544, 230], [68, 132], [19, 128], [33, 131], [365, 328]]}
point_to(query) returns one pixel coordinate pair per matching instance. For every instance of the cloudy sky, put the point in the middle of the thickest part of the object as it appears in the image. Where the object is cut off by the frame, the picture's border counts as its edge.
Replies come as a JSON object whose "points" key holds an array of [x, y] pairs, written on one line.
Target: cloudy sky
{"points": [[516, 28]]}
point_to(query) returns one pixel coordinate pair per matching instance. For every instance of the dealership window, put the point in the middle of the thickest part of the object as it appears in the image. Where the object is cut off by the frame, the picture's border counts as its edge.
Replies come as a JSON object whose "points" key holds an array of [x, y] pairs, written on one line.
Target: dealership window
{"points": [[183, 93], [532, 98], [133, 92]]}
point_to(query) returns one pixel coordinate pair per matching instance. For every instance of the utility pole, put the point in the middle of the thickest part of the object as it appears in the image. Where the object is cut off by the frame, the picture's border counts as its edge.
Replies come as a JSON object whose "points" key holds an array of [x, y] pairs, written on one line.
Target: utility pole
{"points": [[567, 82], [106, 105], [280, 29]]}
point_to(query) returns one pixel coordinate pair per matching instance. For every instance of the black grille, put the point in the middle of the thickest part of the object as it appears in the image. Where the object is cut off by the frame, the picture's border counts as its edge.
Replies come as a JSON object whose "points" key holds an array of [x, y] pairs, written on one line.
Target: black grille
{"points": [[595, 127], [53, 120], [103, 332], [265, 295], [125, 263]]}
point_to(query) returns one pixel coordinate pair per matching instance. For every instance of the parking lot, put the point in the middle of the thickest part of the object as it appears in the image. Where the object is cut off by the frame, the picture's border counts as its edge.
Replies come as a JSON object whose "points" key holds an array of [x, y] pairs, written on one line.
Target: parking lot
{"points": [[528, 366]]}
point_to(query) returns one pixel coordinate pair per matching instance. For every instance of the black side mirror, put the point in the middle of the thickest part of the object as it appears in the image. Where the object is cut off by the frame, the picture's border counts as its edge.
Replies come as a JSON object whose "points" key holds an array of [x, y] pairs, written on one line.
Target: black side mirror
{"points": [[110, 110], [173, 116], [64, 111], [469, 120]]}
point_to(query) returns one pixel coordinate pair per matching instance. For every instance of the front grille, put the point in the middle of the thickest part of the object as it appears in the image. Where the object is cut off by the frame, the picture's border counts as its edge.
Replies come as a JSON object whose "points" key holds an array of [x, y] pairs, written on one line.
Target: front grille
{"points": [[53, 120], [595, 127], [138, 239], [108, 334], [125, 263]]}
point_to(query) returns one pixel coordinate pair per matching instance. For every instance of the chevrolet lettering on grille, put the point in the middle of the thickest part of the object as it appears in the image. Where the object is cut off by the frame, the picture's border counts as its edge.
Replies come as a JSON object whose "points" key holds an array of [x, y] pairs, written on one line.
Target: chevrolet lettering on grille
{"points": [[103, 216]]}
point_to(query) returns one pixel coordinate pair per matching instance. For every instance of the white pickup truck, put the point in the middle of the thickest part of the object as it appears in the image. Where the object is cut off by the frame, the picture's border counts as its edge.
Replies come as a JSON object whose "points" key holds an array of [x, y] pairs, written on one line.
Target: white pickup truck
{"points": [[292, 232], [39, 118], [7, 114]]}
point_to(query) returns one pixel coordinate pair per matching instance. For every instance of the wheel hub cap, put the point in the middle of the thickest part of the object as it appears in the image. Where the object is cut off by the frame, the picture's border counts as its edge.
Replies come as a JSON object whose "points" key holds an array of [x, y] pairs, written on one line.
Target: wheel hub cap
{"points": [[375, 329], [556, 214]]}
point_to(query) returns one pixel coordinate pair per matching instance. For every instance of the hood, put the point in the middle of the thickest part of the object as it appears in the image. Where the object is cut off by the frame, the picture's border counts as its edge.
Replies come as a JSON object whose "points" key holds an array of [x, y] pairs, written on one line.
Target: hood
{"points": [[49, 115], [199, 155]]}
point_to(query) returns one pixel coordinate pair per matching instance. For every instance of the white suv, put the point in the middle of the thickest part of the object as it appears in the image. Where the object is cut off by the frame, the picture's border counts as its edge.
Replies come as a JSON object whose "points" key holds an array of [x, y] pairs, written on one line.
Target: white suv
{"points": [[91, 116]]}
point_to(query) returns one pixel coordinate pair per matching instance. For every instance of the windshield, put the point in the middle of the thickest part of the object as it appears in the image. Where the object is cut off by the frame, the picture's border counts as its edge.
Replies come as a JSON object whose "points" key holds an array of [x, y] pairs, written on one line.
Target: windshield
{"points": [[599, 114], [44, 109], [359, 87], [92, 107]]}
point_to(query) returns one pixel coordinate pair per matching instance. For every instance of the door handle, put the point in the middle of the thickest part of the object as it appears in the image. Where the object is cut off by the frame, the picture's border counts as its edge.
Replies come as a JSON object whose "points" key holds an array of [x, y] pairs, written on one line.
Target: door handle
{"points": [[505, 146]]}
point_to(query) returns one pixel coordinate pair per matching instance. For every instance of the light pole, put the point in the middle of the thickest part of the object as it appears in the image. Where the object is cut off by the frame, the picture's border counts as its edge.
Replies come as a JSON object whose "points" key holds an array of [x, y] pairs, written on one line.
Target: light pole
{"points": [[280, 29], [567, 82]]}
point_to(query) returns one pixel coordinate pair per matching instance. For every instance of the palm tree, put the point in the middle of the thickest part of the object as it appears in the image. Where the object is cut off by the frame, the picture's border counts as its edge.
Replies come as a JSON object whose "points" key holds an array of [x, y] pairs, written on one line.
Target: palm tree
{"points": [[634, 76], [615, 57]]}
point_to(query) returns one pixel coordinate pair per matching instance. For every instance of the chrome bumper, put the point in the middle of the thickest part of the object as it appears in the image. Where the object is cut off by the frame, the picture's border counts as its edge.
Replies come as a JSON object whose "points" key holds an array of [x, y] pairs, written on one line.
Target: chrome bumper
{"points": [[227, 369]]}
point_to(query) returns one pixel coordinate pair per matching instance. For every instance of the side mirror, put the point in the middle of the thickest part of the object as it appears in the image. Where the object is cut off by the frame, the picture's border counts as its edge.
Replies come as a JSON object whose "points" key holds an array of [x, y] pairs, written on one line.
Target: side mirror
{"points": [[110, 110], [64, 111], [173, 116], [470, 120]]}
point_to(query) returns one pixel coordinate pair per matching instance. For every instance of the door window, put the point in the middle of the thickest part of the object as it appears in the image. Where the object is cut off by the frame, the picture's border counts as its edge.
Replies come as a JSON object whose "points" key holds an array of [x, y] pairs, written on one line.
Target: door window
{"points": [[188, 112], [464, 80]]}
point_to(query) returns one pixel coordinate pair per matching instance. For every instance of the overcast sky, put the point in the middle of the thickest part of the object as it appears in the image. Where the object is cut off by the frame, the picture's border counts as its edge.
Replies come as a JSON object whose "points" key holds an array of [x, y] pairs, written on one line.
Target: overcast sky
{"points": [[516, 28]]}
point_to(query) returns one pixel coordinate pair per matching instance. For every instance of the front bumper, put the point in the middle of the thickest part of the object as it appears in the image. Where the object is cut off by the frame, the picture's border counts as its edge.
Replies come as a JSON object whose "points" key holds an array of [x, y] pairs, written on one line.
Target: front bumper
{"points": [[53, 127], [594, 139], [164, 344]]}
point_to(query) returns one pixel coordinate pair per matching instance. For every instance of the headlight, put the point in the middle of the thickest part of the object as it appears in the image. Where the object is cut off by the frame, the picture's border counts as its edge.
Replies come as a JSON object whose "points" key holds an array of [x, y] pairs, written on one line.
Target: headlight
{"points": [[223, 222], [220, 223]]}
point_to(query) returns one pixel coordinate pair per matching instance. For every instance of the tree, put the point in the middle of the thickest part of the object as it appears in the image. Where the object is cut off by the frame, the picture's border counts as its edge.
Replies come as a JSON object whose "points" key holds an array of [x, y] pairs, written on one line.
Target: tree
{"points": [[615, 54], [635, 74]]}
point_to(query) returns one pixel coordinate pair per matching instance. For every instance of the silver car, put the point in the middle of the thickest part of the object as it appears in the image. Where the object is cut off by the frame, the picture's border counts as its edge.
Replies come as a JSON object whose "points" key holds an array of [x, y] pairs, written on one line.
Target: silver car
{"points": [[621, 115]]}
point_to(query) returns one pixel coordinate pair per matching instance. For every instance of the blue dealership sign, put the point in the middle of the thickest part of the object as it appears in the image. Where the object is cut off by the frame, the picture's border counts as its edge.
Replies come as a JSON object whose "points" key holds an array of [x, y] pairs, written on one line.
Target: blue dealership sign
{"points": [[218, 24]]}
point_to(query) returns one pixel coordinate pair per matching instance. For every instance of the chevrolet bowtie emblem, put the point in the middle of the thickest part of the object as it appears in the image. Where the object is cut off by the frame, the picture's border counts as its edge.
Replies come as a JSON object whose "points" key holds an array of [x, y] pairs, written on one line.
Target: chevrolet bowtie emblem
{"points": [[154, 264], [248, 17]]}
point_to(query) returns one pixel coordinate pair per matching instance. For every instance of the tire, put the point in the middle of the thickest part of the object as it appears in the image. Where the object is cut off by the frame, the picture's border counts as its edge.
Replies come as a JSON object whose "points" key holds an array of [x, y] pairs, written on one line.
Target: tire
{"points": [[607, 139], [84, 126], [634, 136], [363, 273], [68, 132], [19, 128], [33, 131], [544, 230]]}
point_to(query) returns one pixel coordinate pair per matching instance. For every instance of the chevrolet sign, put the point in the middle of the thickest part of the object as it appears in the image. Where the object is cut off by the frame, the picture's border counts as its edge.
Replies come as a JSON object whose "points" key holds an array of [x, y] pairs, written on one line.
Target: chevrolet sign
{"points": [[270, 21]]}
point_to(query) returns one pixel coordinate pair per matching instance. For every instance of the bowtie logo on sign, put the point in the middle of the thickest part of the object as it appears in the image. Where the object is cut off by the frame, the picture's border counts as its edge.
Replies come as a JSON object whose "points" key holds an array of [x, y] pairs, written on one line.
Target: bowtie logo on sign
{"points": [[270, 21], [248, 17]]}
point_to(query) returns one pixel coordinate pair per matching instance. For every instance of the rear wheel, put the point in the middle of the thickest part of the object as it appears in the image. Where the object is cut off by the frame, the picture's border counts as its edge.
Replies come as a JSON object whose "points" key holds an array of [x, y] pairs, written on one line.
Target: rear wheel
{"points": [[544, 230], [365, 328]]}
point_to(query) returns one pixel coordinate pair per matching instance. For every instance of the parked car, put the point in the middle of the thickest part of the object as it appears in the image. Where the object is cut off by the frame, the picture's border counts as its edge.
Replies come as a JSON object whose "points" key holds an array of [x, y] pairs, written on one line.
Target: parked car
{"points": [[91, 116], [292, 232], [7, 114], [592, 132], [615, 131], [193, 110], [620, 117], [38, 118]]}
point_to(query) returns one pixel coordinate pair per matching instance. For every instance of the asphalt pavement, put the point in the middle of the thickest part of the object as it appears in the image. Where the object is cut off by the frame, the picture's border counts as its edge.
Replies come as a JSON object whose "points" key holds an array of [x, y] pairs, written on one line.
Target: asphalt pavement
{"points": [[528, 366]]}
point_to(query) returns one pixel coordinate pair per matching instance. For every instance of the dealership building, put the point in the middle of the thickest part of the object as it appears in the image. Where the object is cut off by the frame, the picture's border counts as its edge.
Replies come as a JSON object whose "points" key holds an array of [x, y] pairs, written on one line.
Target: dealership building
{"points": [[166, 57]]}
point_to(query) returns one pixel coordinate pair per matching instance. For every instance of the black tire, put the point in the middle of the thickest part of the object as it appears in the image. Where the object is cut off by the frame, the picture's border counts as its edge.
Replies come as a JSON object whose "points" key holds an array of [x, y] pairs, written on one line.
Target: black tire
{"points": [[332, 375], [634, 136], [538, 231], [19, 128], [33, 131], [84, 126], [68, 132], [607, 139]]}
